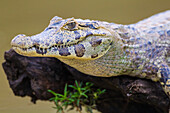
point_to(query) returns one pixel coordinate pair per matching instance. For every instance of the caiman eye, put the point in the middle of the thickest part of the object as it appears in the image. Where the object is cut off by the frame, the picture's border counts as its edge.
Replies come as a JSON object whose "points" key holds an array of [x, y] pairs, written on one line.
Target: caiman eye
{"points": [[71, 26]]}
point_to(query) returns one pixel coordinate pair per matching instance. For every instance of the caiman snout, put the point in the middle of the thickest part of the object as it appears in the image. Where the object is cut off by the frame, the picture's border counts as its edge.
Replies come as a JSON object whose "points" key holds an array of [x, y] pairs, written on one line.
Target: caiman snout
{"points": [[21, 41]]}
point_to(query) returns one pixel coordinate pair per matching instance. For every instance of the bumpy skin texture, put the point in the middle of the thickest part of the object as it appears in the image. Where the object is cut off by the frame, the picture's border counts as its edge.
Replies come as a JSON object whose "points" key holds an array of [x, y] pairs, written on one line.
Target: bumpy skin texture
{"points": [[106, 49]]}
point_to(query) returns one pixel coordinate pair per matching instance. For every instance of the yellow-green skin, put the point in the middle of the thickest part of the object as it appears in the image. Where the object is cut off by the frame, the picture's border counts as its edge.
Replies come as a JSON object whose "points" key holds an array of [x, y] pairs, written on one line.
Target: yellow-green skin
{"points": [[105, 49]]}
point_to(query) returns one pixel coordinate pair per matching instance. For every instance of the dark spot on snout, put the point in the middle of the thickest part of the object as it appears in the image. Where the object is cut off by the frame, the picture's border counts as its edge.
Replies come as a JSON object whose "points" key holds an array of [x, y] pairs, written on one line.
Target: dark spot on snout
{"points": [[48, 28], [94, 56], [79, 50], [95, 43], [77, 37], [64, 52]]}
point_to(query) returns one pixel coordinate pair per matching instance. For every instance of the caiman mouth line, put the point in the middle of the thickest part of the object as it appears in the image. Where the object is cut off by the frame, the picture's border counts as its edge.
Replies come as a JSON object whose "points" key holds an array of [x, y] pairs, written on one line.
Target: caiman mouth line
{"points": [[43, 51]]}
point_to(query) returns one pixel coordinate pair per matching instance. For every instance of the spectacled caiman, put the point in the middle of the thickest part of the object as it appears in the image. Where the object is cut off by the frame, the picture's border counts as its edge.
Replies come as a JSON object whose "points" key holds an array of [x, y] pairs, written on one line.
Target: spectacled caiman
{"points": [[106, 49]]}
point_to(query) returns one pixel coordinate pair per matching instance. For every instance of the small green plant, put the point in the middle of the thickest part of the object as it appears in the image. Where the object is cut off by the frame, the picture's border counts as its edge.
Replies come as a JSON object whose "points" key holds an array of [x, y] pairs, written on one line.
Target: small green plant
{"points": [[79, 95]]}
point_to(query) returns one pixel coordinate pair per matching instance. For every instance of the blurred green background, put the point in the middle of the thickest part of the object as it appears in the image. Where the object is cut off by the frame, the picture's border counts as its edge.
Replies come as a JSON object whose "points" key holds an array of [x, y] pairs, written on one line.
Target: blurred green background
{"points": [[32, 16]]}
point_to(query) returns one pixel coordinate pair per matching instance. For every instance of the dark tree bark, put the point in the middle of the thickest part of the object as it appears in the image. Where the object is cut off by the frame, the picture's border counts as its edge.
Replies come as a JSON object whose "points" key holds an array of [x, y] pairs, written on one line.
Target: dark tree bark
{"points": [[32, 77]]}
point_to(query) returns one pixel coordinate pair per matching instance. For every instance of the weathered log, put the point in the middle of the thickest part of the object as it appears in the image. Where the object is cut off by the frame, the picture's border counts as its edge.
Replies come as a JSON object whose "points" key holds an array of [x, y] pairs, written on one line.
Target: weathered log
{"points": [[32, 77]]}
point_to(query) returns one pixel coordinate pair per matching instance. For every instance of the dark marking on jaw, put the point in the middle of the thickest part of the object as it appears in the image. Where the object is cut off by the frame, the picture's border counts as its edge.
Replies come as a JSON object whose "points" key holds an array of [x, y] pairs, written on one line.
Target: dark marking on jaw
{"points": [[79, 50], [95, 43], [64, 52], [59, 42], [40, 51], [45, 51], [94, 56]]}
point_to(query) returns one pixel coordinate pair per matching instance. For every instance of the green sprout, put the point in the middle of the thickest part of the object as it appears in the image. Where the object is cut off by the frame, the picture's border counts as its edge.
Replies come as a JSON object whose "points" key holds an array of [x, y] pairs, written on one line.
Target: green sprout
{"points": [[79, 95]]}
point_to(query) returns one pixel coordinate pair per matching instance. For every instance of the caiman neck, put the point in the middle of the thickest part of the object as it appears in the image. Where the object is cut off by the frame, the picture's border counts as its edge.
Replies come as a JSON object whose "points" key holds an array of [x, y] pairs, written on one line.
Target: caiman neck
{"points": [[129, 54], [110, 64]]}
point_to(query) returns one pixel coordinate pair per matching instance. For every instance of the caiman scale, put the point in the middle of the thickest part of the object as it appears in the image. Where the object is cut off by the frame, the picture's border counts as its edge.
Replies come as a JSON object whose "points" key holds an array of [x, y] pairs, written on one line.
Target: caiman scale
{"points": [[106, 49]]}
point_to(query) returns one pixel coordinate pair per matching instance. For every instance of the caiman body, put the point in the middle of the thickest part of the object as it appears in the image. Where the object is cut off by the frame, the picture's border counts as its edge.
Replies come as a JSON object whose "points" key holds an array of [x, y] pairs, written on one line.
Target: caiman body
{"points": [[105, 49]]}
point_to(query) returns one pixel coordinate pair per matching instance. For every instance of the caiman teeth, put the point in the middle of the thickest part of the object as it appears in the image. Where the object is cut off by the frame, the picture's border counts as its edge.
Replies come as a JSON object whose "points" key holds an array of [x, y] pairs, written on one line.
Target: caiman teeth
{"points": [[41, 50]]}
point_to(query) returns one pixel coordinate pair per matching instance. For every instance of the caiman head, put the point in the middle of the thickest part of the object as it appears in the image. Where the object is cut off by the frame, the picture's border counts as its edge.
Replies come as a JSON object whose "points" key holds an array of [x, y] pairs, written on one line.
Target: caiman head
{"points": [[66, 38]]}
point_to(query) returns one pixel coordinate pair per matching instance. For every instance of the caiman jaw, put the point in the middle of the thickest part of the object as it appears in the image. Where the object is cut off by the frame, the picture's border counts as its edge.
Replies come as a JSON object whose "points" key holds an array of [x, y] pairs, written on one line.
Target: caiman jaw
{"points": [[91, 47]]}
